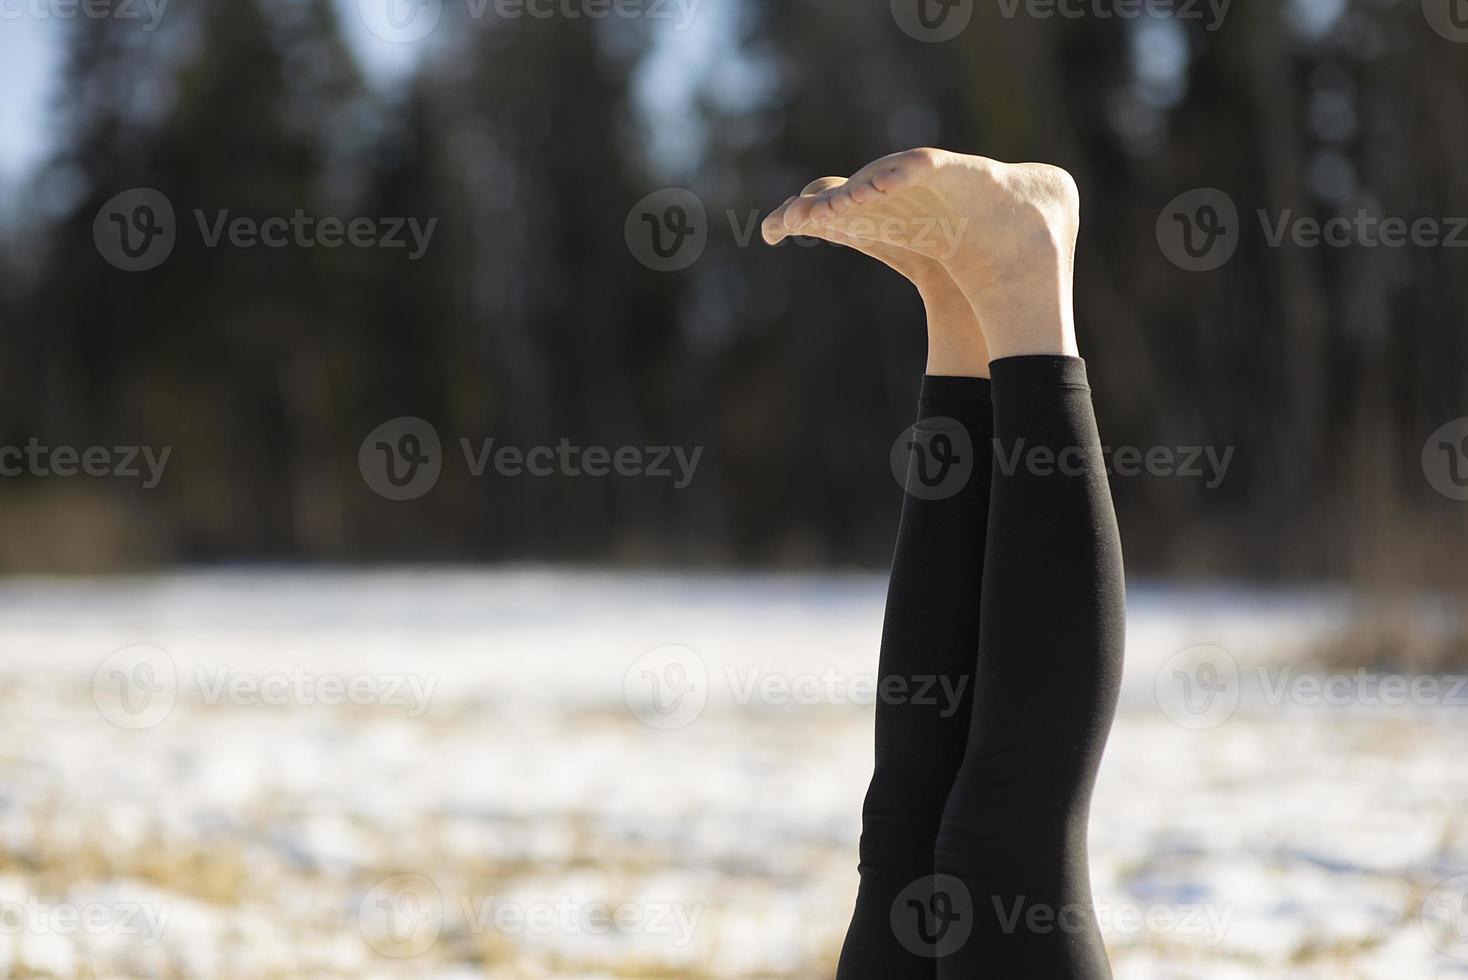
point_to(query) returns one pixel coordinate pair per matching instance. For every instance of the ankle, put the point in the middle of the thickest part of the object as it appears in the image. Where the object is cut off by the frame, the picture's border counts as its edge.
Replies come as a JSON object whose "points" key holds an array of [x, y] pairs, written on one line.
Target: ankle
{"points": [[956, 343], [1024, 322], [949, 360]]}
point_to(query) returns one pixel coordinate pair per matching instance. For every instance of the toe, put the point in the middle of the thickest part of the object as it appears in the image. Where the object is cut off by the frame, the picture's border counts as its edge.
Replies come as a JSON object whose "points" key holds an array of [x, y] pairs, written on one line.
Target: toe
{"points": [[841, 199], [888, 180], [893, 172], [821, 185], [797, 214], [824, 194], [823, 208], [773, 227], [864, 192], [917, 162]]}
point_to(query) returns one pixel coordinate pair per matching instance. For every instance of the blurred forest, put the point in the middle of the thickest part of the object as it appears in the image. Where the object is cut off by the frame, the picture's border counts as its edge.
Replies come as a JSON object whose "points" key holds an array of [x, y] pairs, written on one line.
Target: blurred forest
{"points": [[529, 319]]}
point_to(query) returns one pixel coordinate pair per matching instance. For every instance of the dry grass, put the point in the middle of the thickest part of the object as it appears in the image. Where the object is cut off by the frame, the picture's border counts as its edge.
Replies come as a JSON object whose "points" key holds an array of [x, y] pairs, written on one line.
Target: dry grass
{"points": [[1410, 636]]}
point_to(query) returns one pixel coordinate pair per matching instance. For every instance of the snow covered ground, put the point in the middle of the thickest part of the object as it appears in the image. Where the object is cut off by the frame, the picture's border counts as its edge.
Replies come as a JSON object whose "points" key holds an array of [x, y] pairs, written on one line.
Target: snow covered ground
{"points": [[526, 773]]}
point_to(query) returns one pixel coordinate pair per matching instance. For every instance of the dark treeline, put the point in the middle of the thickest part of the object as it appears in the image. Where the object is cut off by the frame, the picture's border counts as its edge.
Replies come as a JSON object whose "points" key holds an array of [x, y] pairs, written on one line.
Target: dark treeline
{"points": [[529, 319]]}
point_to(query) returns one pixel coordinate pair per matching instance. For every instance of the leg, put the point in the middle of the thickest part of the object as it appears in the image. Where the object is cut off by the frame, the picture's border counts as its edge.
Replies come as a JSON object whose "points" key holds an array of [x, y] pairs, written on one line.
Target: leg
{"points": [[929, 637], [1014, 828], [930, 633], [1012, 879]]}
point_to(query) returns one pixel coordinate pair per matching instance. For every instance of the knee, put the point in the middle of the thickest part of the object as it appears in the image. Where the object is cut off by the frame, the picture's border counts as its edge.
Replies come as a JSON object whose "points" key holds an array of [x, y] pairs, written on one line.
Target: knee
{"points": [[899, 825], [998, 828]]}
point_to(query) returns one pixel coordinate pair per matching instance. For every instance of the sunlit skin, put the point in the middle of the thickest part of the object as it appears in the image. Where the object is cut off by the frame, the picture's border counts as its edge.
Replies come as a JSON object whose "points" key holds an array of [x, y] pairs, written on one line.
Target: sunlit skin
{"points": [[999, 236]]}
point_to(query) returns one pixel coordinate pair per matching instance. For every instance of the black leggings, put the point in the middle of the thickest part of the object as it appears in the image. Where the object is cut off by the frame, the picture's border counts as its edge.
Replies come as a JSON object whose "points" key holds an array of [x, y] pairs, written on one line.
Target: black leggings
{"points": [[1000, 664]]}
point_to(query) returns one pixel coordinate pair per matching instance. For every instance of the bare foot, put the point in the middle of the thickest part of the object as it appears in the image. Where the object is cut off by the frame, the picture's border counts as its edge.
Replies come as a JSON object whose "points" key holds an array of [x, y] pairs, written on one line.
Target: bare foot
{"points": [[956, 346], [1004, 233]]}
